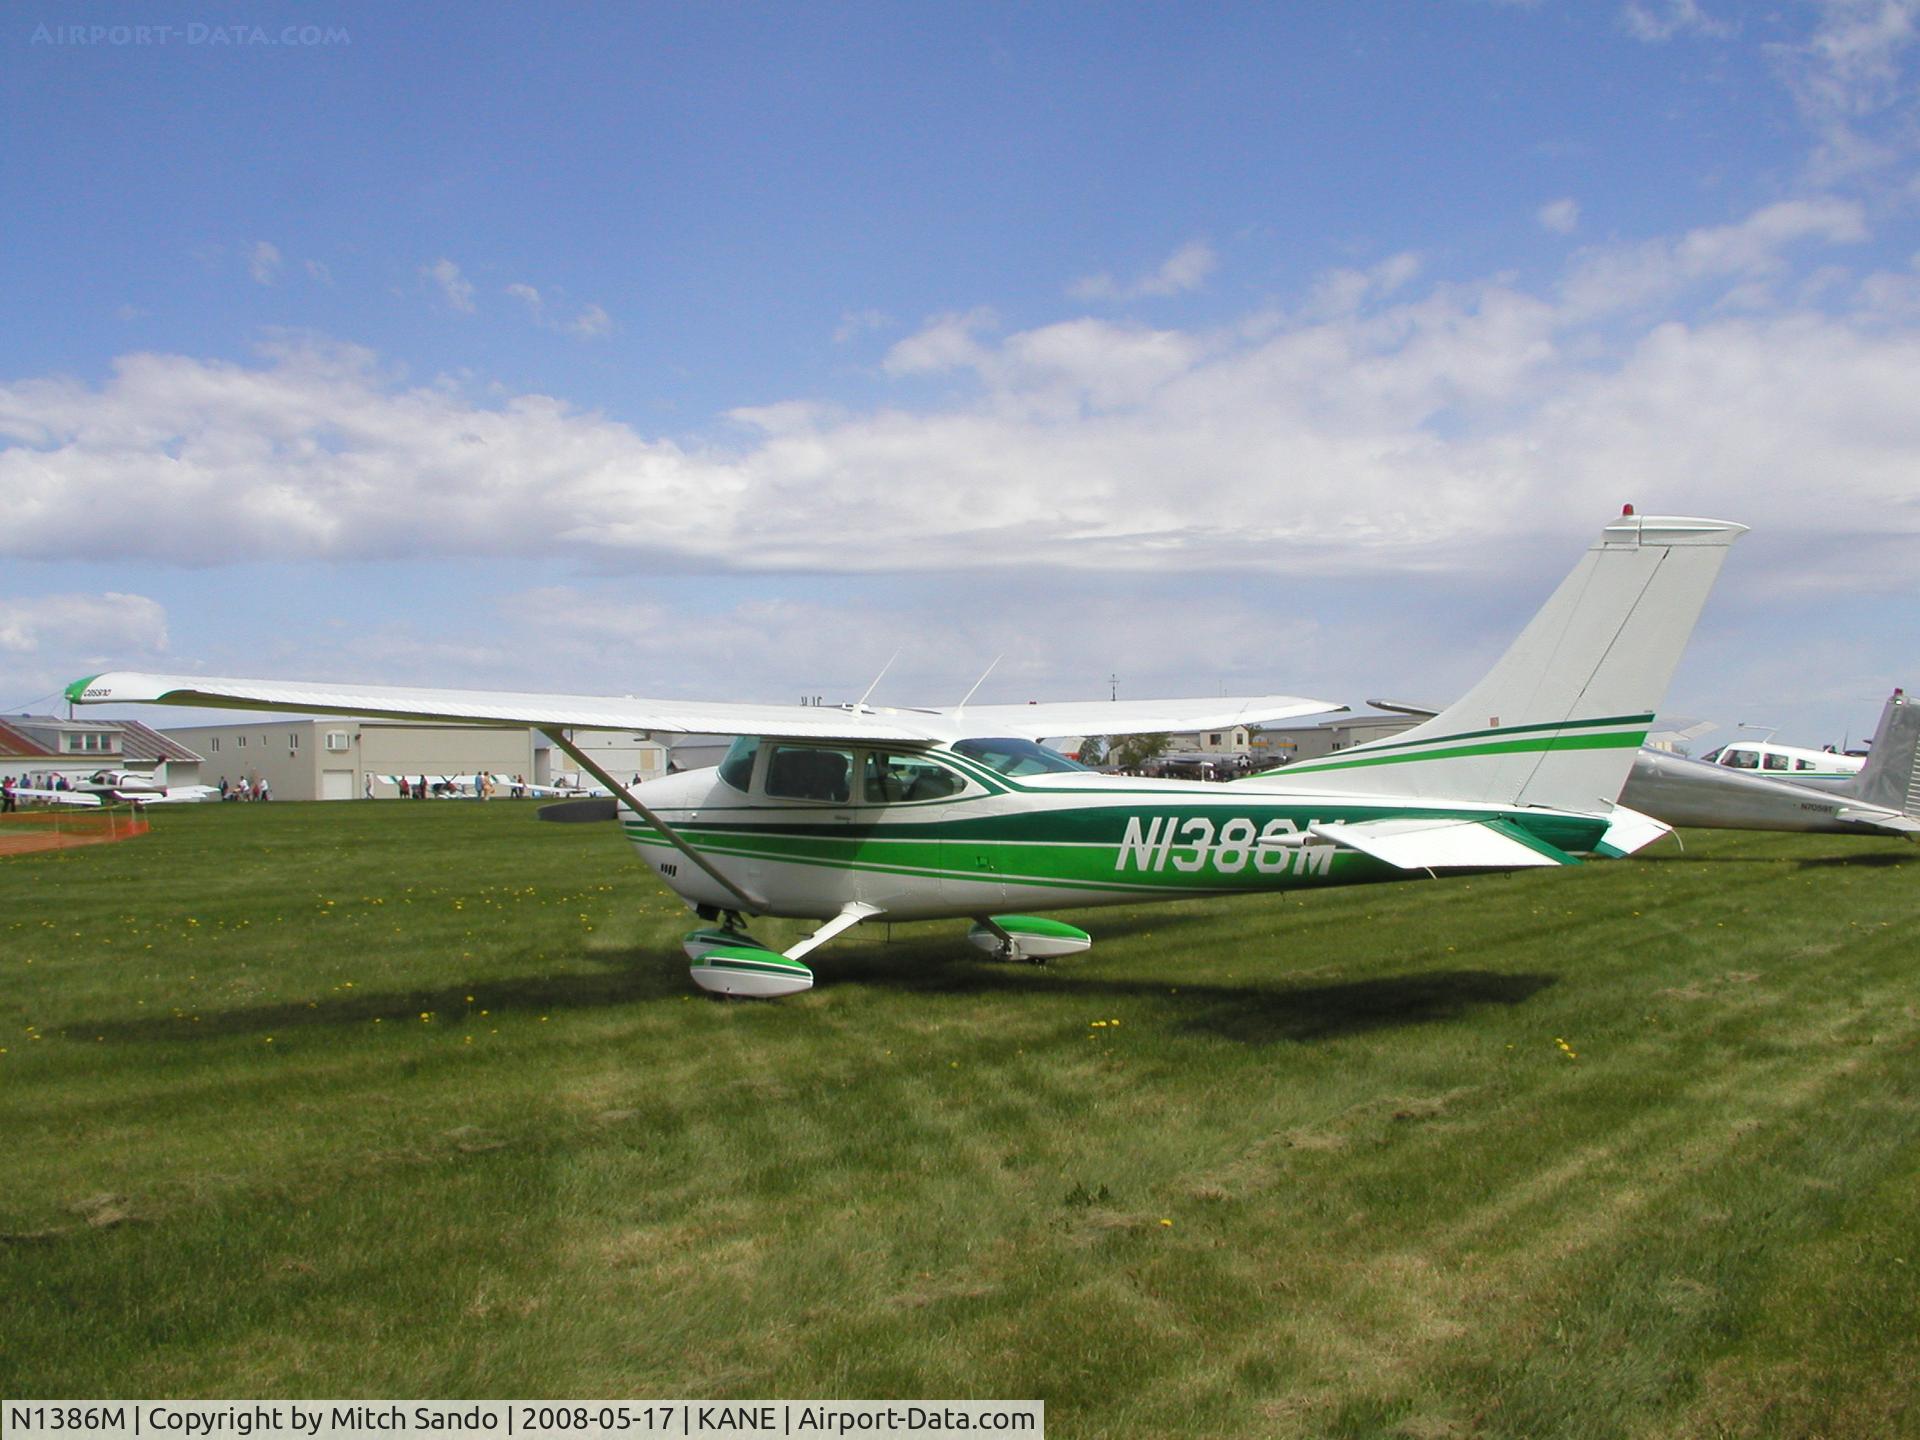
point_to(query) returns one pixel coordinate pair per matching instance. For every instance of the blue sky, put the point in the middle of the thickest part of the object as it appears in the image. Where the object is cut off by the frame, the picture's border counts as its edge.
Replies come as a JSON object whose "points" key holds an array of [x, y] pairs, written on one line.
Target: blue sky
{"points": [[722, 350]]}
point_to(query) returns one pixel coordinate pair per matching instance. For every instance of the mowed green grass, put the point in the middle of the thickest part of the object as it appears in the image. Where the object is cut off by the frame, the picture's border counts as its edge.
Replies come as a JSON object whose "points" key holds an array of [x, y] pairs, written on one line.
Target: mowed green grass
{"points": [[417, 1100]]}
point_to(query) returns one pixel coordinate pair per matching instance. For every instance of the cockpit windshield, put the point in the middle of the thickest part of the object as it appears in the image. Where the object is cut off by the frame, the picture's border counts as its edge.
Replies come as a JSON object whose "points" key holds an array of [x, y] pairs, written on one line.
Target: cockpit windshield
{"points": [[1016, 758]]}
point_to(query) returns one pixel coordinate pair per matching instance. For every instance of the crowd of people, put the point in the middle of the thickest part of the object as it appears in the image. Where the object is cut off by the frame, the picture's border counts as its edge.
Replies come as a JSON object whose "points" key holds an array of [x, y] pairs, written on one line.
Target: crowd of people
{"points": [[483, 785]]}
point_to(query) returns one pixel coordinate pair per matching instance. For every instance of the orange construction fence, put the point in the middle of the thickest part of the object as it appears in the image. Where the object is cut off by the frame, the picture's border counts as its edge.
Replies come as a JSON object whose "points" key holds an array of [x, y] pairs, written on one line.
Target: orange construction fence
{"points": [[26, 831]]}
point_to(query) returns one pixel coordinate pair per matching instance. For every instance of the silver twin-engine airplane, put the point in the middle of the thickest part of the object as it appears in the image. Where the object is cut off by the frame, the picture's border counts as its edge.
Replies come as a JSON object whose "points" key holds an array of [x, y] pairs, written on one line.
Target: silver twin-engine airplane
{"points": [[846, 814]]}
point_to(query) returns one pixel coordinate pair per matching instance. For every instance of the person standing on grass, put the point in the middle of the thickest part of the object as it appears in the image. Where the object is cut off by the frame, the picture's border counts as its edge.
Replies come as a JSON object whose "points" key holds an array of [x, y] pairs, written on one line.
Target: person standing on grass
{"points": [[6, 796]]}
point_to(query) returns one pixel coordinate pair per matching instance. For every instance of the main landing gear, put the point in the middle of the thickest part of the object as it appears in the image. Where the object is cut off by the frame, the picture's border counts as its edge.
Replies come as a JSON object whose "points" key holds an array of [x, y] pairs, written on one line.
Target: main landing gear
{"points": [[727, 960]]}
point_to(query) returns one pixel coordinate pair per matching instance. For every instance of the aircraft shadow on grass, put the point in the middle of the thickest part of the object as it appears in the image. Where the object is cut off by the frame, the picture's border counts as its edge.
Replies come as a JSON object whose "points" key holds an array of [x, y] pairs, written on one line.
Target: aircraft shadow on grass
{"points": [[1263, 1009], [1877, 860], [1863, 860]]}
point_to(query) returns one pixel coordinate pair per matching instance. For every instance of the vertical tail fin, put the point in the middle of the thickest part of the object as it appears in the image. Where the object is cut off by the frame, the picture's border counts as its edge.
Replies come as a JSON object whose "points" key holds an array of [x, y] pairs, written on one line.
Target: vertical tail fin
{"points": [[1557, 720], [1891, 776]]}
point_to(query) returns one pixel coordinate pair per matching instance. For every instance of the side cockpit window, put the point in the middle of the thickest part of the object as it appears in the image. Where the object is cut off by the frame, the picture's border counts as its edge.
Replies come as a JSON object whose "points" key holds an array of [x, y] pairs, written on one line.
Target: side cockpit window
{"points": [[801, 772], [826, 774]]}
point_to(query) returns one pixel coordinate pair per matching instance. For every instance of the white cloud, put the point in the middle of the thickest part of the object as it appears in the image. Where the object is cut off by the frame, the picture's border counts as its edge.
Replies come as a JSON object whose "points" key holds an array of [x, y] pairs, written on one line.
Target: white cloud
{"points": [[263, 262], [1186, 269], [592, 323], [1849, 82], [454, 287], [1383, 422], [1659, 20], [32, 625], [1561, 216], [320, 273], [1342, 292], [946, 342], [856, 323], [1753, 249]]}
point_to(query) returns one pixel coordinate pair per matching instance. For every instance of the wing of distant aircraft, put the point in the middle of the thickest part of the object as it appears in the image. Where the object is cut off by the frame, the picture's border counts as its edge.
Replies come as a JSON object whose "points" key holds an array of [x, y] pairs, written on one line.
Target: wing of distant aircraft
{"points": [[56, 797]]}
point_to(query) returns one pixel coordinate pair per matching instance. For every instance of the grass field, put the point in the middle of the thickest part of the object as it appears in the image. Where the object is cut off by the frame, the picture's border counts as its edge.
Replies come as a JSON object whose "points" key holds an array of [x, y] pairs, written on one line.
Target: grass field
{"points": [[417, 1100]]}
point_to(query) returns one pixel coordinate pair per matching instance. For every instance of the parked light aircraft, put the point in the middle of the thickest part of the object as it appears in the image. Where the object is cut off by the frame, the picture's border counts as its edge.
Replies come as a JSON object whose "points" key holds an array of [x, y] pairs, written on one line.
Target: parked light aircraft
{"points": [[1822, 768], [123, 786], [131, 785], [844, 814], [466, 786], [1882, 799]]}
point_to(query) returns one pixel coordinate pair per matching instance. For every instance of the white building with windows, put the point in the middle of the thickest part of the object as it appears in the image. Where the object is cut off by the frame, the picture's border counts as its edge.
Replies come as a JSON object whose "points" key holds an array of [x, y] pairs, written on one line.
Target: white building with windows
{"points": [[48, 746], [334, 759], [344, 759]]}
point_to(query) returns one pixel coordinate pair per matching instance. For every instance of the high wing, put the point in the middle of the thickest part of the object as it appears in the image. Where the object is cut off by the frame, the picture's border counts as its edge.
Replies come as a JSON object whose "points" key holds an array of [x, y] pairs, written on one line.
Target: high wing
{"points": [[596, 712]]}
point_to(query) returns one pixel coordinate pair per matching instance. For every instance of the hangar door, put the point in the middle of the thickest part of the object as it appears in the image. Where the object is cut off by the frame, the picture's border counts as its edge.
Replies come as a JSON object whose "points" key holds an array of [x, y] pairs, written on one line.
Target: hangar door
{"points": [[336, 784]]}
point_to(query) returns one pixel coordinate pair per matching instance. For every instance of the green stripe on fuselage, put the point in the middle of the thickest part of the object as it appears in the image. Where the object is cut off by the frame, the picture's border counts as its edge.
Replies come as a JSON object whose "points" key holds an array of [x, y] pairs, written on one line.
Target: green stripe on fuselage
{"points": [[1541, 745], [1107, 848]]}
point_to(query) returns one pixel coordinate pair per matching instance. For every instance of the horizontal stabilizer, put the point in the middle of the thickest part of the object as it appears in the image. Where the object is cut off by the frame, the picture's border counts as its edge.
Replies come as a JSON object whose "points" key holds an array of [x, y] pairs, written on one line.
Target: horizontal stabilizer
{"points": [[1628, 831], [1442, 844], [1882, 820]]}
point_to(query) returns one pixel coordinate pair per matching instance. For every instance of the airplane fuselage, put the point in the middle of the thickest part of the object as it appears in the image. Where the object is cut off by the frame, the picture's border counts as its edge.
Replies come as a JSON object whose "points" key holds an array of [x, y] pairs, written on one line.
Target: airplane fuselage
{"points": [[1000, 843]]}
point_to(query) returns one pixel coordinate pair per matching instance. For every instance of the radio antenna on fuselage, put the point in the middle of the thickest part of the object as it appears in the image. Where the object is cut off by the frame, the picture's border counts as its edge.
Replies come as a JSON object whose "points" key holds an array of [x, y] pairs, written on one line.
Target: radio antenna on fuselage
{"points": [[981, 681], [861, 703]]}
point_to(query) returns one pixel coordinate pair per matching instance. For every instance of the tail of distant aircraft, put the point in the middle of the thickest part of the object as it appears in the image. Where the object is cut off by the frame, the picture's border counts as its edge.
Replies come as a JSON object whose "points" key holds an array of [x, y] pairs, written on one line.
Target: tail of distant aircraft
{"points": [[1557, 721], [1891, 776]]}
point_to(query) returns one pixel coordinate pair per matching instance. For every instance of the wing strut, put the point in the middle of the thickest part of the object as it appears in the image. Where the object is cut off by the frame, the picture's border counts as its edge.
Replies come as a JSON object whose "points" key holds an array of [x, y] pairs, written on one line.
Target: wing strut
{"points": [[753, 902]]}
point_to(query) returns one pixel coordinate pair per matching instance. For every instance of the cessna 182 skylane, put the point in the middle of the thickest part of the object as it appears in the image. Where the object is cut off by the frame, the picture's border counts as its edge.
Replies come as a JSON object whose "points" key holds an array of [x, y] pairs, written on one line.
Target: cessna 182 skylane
{"points": [[845, 814]]}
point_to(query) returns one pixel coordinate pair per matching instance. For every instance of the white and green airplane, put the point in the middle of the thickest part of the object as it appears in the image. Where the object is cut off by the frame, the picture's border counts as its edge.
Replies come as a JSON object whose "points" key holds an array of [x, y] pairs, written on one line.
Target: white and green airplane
{"points": [[850, 813]]}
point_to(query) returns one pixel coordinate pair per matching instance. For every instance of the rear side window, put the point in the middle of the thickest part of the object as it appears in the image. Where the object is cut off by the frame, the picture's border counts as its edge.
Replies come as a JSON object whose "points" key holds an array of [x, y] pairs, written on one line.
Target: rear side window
{"points": [[894, 779]]}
